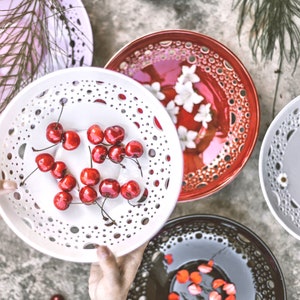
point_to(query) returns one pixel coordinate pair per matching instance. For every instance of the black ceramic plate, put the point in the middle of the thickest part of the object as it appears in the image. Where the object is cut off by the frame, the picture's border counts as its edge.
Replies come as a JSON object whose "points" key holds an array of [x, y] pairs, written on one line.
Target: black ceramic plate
{"points": [[233, 263]]}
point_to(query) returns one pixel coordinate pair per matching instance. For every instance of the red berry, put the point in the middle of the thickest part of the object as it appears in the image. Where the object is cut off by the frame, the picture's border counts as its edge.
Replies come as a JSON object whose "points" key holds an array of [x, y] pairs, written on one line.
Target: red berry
{"points": [[88, 195], [116, 153], [109, 188], [134, 149], [182, 276], [130, 190], [44, 161], [57, 297], [54, 132], [67, 183], [90, 176], [95, 134], [62, 200], [59, 169], [173, 296], [114, 134], [99, 154], [70, 140]]}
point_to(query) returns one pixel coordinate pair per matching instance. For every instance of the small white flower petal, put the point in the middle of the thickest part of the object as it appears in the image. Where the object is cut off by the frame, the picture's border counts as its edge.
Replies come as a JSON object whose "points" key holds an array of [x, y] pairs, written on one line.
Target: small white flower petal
{"points": [[188, 74], [188, 106], [179, 87], [154, 88], [187, 96], [186, 137], [173, 110], [204, 114], [182, 131], [282, 179]]}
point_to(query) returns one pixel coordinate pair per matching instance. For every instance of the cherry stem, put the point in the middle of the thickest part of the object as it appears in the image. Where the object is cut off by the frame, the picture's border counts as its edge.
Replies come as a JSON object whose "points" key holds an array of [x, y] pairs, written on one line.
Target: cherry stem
{"points": [[118, 163], [43, 149], [60, 114], [138, 164], [131, 204], [23, 181], [104, 212], [91, 160]]}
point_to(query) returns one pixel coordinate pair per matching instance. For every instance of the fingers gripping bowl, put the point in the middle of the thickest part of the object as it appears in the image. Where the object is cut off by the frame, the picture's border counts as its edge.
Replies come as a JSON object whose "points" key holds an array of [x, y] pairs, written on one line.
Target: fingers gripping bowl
{"points": [[80, 98]]}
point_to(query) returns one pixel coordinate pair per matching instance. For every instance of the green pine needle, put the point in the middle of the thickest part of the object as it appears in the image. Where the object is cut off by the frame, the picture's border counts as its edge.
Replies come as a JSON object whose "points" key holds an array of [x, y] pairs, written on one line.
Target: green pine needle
{"points": [[274, 27]]}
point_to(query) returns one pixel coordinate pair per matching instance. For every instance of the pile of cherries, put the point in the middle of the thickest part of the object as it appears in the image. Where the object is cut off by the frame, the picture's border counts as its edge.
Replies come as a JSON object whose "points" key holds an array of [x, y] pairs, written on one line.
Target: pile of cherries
{"points": [[106, 145]]}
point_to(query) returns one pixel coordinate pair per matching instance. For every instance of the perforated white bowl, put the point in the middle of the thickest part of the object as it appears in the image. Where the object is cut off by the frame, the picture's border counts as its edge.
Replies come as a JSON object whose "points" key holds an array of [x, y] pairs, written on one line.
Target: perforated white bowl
{"points": [[91, 95], [279, 167]]}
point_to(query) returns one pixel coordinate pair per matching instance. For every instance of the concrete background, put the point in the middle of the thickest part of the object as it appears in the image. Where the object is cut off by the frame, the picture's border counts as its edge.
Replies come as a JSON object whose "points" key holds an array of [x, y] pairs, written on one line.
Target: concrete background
{"points": [[28, 274]]}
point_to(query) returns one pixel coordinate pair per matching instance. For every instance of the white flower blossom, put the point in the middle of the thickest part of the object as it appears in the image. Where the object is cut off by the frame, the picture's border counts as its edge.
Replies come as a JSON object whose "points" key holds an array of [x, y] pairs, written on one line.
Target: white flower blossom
{"points": [[282, 179], [204, 114], [172, 110], [154, 88], [186, 96], [186, 137], [188, 74]]}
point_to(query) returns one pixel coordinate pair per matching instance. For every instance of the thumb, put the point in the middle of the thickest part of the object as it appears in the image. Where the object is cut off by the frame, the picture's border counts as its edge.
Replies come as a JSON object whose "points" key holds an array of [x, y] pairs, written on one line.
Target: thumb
{"points": [[7, 186], [108, 264]]}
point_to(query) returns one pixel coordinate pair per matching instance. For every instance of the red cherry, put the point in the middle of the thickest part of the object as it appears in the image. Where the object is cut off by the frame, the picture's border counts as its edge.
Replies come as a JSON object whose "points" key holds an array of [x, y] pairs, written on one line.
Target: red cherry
{"points": [[130, 189], [99, 154], [109, 188], [95, 134], [90, 176], [134, 149], [57, 297], [59, 169], [62, 200], [54, 132], [67, 183], [44, 161], [116, 153], [114, 134], [88, 195], [70, 140]]}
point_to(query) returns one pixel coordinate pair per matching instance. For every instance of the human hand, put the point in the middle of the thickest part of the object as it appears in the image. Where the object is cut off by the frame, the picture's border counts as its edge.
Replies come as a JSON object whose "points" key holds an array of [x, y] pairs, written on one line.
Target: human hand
{"points": [[7, 186], [111, 277]]}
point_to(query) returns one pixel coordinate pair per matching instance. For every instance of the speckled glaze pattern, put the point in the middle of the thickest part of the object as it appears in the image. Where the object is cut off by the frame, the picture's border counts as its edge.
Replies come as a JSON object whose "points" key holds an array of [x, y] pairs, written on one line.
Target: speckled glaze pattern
{"points": [[194, 239]]}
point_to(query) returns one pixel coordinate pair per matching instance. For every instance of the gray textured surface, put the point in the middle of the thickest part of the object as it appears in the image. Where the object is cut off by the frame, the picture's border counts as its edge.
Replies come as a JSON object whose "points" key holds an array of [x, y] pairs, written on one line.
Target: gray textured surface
{"points": [[28, 274]]}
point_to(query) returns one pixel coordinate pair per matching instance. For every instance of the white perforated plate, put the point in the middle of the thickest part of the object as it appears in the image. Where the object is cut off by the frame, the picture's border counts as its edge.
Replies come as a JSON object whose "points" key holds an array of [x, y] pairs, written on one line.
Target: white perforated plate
{"points": [[279, 167], [91, 95]]}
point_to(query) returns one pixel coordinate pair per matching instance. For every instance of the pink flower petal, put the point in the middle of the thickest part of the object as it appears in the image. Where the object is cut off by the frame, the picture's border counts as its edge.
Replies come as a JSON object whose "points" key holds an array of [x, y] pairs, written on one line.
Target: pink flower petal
{"points": [[214, 296], [204, 268], [194, 289], [229, 288], [217, 283]]}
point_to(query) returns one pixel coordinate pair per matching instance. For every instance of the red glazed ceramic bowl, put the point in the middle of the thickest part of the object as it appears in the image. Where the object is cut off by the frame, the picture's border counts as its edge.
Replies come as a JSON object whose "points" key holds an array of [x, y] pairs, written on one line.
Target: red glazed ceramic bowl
{"points": [[210, 97]]}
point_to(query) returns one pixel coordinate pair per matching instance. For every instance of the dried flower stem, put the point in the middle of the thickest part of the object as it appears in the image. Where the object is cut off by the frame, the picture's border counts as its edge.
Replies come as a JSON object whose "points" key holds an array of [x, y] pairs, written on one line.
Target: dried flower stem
{"points": [[28, 48]]}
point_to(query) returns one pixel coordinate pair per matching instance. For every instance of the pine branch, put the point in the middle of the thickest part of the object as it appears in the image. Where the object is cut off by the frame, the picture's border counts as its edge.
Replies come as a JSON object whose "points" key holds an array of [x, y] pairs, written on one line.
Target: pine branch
{"points": [[274, 27]]}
